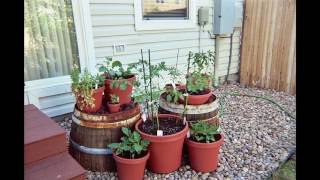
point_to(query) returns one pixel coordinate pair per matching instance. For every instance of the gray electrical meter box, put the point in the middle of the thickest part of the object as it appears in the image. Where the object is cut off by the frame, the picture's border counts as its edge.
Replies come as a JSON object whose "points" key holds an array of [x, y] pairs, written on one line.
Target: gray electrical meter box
{"points": [[224, 16], [203, 16]]}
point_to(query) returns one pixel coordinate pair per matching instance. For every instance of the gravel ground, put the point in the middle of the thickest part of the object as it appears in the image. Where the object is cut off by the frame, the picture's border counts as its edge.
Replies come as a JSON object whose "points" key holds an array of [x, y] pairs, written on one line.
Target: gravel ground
{"points": [[258, 137]]}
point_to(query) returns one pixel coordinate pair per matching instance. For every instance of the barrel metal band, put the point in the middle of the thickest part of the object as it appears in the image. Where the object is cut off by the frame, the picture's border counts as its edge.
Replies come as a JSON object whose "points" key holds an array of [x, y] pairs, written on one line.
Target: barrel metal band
{"points": [[191, 109], [91, 124], [88, 150]]}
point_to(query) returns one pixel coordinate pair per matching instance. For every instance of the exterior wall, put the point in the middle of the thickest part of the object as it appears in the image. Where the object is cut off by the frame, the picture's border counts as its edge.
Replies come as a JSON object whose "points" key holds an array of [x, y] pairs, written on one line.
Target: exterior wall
{"points": [[113, 23]]}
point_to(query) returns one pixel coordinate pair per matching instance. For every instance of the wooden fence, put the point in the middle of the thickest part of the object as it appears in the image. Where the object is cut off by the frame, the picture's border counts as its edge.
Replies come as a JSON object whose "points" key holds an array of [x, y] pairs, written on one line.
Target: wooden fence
{"points": [[268, 49]]}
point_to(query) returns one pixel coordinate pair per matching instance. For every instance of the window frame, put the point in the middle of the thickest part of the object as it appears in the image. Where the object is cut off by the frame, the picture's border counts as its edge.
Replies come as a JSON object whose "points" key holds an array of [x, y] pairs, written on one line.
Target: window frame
{"points": [[155, 24]]}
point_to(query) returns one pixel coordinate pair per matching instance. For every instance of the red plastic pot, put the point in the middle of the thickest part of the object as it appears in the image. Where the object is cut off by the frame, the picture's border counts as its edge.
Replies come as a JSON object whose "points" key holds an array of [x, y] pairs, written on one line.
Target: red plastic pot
{"points": [[129, 169], [97, 96], [178, 86], [203, 157], [124, 96], [113, 108], [165, 151], [197, 99]]}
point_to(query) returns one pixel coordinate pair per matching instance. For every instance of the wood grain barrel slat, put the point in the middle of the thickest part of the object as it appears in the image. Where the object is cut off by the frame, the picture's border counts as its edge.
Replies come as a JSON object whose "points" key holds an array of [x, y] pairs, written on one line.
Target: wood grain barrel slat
{"points": [[90, 136]]}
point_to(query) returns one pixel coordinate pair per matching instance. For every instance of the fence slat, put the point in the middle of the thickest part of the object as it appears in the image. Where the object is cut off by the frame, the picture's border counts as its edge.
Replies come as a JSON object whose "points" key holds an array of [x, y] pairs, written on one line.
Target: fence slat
{"points": [[268, 45]]}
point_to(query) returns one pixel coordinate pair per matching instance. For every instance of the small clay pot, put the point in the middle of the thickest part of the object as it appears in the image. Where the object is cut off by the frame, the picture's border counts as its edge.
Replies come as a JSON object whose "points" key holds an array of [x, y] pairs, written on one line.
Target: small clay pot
{"points": [[124, 96], [165, 151], [97, 96], [203, 157], [113, 108], [128, 169], [197, 99]]}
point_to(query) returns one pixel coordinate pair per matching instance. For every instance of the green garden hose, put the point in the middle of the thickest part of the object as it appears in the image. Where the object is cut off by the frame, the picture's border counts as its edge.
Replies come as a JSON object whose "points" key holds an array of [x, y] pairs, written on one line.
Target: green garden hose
{"points": [[222, 100]]}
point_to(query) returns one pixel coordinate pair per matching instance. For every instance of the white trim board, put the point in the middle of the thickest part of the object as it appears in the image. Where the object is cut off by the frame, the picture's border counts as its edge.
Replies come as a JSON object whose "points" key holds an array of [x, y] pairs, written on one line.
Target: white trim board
{"points": [[141, 24]]}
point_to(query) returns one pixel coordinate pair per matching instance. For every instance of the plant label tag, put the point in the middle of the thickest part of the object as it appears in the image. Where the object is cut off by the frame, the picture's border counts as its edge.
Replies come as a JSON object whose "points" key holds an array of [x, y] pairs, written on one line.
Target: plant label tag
{"points": [[184, 120], [144, 117], [188, 134], [185, 94], [173, 85], [96, 86], [159, 133]]}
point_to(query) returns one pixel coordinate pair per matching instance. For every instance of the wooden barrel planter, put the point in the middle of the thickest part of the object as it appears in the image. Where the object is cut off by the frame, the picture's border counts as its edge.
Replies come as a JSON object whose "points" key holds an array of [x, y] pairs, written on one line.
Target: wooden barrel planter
{"points": [[92, 133], [204, 112]]}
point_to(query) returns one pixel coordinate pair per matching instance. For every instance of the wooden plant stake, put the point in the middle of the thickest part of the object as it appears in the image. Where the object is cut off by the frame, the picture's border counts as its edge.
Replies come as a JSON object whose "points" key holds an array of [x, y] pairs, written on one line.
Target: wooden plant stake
{"points": [[145, 82]]}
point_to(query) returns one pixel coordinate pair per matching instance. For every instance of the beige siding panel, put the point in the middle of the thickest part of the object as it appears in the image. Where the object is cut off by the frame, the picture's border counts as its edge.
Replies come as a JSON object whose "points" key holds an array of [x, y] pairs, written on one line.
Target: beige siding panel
{"points": [[112, 20], [111, 1], [115, 9], [149, 38]]}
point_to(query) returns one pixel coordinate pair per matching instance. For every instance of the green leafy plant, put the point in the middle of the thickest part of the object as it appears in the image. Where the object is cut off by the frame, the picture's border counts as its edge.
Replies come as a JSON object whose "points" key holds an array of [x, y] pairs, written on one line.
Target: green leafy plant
{"points": [[82, 86], [202, 61], [197, 82], [202, 131], [131, 144], [141, 86], [114, 99], [199, 79], [173, 95], [114, 70]]}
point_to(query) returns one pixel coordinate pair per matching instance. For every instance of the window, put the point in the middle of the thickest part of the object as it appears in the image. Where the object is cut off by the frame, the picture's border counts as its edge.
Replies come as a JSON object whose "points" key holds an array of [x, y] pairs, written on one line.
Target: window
{"points": [[165, 9], [165, 14], [50, 48]]}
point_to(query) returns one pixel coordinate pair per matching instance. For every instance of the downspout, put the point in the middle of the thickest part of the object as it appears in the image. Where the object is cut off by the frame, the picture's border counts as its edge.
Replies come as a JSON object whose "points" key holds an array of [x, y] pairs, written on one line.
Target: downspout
{"points": [[217, 61]]}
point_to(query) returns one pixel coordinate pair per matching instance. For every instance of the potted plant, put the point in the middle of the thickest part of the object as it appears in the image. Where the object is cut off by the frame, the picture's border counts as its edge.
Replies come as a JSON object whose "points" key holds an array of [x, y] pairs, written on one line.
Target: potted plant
{"points": [[114, 105], [131, 155], [203, 146], [198, 82], [165, 132], [118, 80], [88, 90]]}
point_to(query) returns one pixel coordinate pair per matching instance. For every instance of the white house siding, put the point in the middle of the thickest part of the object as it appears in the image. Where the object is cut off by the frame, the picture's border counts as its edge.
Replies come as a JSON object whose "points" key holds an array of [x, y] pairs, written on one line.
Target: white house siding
{"points": [[113, 23]]}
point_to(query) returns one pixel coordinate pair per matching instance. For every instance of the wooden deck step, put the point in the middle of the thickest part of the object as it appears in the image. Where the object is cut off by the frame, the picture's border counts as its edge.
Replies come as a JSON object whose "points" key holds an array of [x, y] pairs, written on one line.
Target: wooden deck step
{"points": [[58, 167], [42, 136]]}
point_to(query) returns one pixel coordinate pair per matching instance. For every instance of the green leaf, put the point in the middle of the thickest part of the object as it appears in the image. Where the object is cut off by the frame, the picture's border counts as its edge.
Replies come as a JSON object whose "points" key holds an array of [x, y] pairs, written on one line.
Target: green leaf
{"points": [[116, 64], [136, 136], [145, 142], [114, 145], [169, 98], [123, 85], [138, 148], [126, 131], [102, 69]]}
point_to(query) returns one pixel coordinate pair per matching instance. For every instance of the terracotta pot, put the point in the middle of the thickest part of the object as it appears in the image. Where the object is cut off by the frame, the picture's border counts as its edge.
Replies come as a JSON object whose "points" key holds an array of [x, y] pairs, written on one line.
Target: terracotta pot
{"points": [[203, 157], [124, 96], [197, 99], [97, 96], [178, 86], [129, 169], [113, 108], [165, 151]]}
